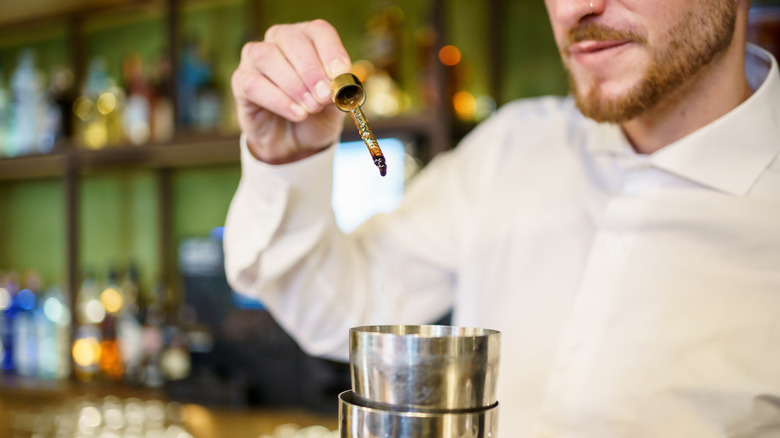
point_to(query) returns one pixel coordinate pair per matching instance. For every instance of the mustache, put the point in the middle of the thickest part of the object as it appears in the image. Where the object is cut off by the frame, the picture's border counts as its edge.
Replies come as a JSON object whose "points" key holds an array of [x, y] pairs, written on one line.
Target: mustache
{"points": [[596, 32]]}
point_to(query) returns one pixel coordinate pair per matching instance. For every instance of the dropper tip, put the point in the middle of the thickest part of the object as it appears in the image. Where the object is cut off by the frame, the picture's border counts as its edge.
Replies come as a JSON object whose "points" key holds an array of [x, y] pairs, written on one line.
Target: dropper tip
{"points": [[380, 163]]}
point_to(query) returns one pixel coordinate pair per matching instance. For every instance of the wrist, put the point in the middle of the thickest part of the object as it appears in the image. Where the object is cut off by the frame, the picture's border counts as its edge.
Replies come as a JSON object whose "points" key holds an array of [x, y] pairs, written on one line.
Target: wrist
{"points": [[276, 159]]}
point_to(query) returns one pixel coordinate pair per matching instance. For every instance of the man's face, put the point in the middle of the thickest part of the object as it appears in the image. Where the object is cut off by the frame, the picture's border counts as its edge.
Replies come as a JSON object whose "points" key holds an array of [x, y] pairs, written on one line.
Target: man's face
{"points": [[630, 54]]}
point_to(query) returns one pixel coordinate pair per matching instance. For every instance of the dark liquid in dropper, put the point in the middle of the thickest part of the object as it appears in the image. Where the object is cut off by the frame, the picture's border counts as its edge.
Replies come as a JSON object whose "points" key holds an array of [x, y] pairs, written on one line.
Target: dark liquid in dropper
{"points": [[369, 139]]}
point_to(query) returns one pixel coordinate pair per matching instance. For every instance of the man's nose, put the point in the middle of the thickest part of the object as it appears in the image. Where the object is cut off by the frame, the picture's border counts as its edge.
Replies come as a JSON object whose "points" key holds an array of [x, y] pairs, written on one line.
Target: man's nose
{"points": [[569, 13]]}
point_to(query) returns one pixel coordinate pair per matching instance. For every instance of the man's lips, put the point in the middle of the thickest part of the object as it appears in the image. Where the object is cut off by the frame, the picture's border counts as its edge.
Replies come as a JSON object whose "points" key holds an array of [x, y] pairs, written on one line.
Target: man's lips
{"points": [[593, 46]]}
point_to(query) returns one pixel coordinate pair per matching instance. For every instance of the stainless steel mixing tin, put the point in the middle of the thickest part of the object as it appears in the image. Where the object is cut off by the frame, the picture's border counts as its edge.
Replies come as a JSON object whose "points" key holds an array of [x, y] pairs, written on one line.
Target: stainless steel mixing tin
{"points": [[359, 421], [425, 367]]}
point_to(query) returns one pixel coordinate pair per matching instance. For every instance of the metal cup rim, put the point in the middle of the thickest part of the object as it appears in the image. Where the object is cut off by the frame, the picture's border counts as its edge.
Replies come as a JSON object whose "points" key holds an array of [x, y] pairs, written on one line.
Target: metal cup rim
{"points": [[425, 331]]}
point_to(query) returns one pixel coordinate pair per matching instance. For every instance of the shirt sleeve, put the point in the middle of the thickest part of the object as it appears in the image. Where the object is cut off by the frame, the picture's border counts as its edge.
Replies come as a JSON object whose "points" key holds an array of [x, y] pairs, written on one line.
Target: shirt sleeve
{"points": [[283, 247]]}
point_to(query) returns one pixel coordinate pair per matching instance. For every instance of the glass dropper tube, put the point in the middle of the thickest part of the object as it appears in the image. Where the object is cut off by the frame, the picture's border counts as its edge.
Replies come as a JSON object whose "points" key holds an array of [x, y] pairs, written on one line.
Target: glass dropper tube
{"points": [[348, 95]]}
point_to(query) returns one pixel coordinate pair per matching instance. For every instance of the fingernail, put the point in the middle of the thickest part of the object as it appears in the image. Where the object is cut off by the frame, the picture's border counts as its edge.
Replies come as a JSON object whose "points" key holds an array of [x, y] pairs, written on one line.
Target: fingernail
{"points": [[297, 110], [337, 67], [323, 91], [309, 102]]}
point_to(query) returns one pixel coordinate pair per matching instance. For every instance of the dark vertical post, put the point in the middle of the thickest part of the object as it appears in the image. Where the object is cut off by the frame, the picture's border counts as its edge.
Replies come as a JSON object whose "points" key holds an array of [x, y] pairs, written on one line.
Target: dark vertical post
{"points": [[70, 186], [255, 19], [76, 50], [165, 230], [70, 177], [164, 197], [172, 52], [442, 126]]}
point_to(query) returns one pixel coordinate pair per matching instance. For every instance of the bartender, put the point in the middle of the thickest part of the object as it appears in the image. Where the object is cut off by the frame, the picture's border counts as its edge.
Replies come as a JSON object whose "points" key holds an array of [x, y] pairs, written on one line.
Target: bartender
{"points": [[625, 239]]}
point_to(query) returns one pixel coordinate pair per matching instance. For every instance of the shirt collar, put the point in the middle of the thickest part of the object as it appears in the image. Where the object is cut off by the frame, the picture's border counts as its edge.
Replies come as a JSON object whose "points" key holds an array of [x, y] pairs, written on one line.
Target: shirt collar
{"points": [[730, 153]]}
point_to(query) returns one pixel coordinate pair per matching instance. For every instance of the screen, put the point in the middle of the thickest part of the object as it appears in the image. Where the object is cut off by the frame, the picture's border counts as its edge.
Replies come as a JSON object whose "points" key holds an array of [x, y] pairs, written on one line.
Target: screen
{"points": [[359, 191]]}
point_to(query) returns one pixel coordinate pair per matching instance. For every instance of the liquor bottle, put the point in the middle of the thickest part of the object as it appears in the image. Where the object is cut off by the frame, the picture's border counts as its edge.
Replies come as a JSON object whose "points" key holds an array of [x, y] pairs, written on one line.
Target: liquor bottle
{"points": [[153, 340], [110, 362], [175, 359], [89, 309], [86, 345], [163, 119], [3, 116], [24, 327], [98, 109], [53, 322], [193, 73], [111, 297], [136, 122], [27, 97], [129, 329], [10, 309]]}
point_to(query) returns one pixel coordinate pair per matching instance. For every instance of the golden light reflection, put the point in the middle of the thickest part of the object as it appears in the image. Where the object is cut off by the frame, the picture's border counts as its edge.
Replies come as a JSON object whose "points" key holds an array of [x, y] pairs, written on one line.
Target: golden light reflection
{"points": [[96, 135], [86, 352], [465, 105], [363, 69], [111, 299], [106, 103], [199, 420], [110, 362], [83, 108], [449, 55]]}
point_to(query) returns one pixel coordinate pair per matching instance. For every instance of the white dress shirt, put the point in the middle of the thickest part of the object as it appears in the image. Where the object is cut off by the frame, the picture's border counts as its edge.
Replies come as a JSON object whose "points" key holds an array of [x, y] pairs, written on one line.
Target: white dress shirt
{"points": [[638, 295]]}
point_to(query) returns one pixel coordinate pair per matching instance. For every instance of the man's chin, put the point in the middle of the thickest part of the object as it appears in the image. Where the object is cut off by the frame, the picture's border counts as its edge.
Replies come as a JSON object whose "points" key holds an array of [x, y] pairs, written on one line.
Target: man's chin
{"points": [[610, 110]]}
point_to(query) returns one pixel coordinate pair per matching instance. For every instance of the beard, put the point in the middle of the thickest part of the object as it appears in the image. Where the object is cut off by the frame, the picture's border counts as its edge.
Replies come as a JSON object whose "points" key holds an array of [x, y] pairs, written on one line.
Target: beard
{"points": [[690, 45]]}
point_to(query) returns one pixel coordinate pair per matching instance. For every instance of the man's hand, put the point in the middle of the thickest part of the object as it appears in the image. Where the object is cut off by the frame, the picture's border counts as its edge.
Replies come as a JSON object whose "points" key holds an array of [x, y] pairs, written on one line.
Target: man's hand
{"points": [[282, 91]]}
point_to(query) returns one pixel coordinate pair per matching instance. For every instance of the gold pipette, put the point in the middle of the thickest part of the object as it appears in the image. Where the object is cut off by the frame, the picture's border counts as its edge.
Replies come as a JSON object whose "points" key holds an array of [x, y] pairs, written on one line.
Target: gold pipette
{"points": [[348, 95]]}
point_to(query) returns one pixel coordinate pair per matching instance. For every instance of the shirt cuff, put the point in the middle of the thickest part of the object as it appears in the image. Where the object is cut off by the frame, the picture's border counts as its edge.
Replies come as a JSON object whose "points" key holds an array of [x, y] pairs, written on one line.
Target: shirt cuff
{"points": [[308, 183]]}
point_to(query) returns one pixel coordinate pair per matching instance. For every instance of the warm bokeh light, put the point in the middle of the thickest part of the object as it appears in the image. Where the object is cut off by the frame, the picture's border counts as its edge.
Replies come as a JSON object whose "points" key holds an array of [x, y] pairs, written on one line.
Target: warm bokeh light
{"points": [[83, 108], [96, 135], [465, 105], [89, 419], [111, 299], [404, 101], [110, 361], [106, 103], [86, 352], [363, 68], [199, 420], [95, 312], [449, 55]]}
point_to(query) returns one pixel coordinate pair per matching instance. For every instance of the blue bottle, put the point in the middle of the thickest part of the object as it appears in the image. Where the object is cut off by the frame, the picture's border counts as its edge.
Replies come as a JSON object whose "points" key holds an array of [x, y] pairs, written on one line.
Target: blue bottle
{"points": [[25, 333], [10, 309]]}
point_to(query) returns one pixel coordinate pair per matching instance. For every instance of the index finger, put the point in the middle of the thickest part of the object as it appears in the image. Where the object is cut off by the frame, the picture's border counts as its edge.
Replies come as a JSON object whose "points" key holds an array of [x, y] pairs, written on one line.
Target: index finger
{"points": [[329, 47]]}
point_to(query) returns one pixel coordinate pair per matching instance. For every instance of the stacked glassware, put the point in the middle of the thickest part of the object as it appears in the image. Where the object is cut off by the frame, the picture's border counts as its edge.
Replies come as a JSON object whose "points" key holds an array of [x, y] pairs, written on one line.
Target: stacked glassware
{"points": [[421, 382]]}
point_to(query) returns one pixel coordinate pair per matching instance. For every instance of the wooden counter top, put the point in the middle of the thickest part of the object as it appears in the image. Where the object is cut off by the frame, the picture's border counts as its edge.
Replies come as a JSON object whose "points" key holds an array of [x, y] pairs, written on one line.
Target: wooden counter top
{"points": [[27, 404]]}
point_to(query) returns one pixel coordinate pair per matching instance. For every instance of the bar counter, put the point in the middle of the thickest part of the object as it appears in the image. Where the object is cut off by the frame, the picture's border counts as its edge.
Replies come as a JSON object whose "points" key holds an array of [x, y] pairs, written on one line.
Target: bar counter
{"points": [[30, 407]]}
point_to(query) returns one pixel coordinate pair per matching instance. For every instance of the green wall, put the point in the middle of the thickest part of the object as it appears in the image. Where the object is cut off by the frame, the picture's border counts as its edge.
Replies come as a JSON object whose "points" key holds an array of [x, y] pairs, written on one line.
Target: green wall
{"points": [[118, 221], [201, 197], [32, 228], [532, 64]]}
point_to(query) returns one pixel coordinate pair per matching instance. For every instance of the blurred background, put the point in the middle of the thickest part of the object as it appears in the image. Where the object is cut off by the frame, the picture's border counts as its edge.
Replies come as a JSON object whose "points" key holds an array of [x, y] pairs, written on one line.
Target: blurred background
{"points": [[119, 157]]}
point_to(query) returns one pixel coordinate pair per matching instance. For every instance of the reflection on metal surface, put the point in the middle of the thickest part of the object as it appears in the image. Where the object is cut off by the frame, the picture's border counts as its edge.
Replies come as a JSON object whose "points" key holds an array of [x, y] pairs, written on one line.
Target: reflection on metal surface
{"points": [[421, 382]]}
